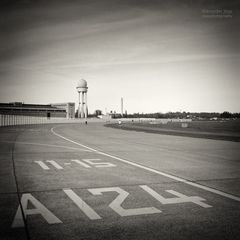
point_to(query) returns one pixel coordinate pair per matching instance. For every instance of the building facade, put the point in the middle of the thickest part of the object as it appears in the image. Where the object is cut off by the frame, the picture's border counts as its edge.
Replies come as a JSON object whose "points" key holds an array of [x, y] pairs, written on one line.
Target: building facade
{"points": [[69, 107], [40, 110]]}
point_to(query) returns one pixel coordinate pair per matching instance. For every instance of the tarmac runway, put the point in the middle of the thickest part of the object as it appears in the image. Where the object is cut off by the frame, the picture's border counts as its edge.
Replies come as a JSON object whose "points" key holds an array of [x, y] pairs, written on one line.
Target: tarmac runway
{"points": [[77, 181]]}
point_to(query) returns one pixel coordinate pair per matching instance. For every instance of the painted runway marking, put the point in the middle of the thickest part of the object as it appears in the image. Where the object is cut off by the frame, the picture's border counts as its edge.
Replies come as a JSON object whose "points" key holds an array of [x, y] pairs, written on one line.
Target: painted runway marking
{"points": [[97, 164], [86, 163], [55, 164], [197, 185], [52, 162], [82, 205], [37, 208], [181, 198], [115, 205], [42, 165], [81, 163]]}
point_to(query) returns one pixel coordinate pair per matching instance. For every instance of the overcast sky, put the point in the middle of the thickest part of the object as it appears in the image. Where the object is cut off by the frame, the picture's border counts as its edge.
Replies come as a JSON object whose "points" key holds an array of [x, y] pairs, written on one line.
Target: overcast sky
{"points": [[158, 55]]}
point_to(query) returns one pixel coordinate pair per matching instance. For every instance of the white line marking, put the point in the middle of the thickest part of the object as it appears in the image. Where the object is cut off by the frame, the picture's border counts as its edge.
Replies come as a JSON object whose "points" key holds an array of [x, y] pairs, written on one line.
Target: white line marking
{"points": [[181, 198], [39, 208], [56, 165], [212, 190], [115, 205], [42, 165], [81, 163], [99, 164], [81, 204]]}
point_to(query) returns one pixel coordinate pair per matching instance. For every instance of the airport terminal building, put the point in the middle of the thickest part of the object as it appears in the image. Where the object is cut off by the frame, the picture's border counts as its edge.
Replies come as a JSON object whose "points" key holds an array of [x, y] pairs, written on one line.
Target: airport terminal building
{"points": [[62, 110]]}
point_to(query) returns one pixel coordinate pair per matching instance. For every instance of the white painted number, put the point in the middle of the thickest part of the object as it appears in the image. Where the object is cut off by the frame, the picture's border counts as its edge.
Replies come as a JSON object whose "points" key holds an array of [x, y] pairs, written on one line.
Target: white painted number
{"points": [[82, 205], [81, 163], [39, 209], [97, 164], [181, 198], [116, 203], [42, 165], [86, 163], [45, 167], [56, 165]]}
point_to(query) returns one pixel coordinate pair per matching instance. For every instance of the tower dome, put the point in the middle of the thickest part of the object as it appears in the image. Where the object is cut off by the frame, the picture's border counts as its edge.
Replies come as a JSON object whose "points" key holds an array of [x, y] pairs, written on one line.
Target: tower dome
{"points": [[82, 83]]}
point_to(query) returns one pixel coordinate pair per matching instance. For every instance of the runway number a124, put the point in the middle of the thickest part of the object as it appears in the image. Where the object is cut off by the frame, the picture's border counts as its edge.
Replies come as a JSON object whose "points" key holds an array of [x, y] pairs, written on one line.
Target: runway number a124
{"points": [[37, 208]]}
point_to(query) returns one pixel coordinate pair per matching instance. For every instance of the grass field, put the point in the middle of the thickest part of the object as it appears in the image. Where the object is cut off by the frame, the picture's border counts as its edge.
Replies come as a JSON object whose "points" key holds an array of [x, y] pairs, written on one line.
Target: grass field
{"points": [[227, 126], [221, 130]]}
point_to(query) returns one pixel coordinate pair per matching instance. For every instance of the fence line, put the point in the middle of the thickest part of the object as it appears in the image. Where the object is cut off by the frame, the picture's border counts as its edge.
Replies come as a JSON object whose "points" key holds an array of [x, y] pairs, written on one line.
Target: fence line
{"points": [[12, 120]]}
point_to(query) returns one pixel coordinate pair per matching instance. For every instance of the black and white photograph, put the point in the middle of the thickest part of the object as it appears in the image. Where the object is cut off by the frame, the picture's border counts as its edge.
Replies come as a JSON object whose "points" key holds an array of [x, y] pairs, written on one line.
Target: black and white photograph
{"points": [[119, 119]]}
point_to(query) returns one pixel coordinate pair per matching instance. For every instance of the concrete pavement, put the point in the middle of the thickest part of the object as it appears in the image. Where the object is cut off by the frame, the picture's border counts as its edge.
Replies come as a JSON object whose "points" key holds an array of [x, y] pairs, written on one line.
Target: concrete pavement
{"points": [[77, 181]]}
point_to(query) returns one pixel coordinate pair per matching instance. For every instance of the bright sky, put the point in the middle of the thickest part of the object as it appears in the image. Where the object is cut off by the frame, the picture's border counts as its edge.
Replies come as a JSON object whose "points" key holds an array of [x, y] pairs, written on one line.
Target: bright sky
{"points": [[158, 55]]}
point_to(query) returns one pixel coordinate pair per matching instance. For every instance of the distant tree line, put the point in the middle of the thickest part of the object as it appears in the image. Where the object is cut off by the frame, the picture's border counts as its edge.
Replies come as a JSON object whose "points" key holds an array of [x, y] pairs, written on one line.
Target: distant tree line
{"points": [[192, 115]]}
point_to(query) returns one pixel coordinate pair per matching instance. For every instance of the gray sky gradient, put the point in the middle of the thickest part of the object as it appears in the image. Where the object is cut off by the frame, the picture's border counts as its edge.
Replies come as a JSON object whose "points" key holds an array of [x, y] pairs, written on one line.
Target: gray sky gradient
{"points": [[157, 55]]}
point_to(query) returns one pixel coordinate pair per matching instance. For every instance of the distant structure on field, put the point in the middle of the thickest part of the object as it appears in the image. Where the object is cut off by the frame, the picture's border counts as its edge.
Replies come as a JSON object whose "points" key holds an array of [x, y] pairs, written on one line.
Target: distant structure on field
{"points": [[82, 98], [63, 110], [122, 107]]}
